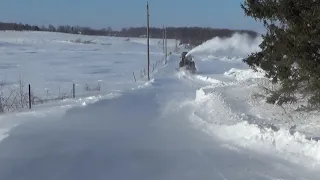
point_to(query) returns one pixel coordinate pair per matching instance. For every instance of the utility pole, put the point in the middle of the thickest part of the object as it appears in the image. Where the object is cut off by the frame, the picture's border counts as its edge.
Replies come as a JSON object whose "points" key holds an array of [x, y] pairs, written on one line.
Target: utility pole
{"points": [[148, 40], [163, 37], [166, 46], [176, 47]]}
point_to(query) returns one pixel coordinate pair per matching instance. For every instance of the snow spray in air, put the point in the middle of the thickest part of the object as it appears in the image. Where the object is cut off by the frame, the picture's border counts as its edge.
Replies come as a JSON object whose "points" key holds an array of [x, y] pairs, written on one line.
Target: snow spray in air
{"points": [[236, 45]]}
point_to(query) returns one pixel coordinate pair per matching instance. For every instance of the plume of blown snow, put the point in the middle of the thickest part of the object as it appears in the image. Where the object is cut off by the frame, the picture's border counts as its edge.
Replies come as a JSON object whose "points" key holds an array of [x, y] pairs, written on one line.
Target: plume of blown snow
{"points": [[236, 45]]}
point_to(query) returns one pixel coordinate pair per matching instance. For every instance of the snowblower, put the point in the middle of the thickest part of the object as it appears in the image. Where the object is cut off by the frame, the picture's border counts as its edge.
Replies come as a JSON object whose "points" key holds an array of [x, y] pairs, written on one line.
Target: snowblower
{"points": [[187, 63]]}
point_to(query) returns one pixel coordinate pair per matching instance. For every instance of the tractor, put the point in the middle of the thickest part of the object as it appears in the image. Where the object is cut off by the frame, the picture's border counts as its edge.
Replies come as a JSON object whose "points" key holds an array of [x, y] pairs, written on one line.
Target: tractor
{"points": [[187, 62]]}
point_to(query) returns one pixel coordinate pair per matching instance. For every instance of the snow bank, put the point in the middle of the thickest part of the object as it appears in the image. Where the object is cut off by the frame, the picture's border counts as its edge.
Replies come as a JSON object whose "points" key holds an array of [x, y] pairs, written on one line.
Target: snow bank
{"points": [[4, 133], [213, 115], [212, 81], [211, 107], [200, 79], [294, 147], [242, 75], [147, 84]]}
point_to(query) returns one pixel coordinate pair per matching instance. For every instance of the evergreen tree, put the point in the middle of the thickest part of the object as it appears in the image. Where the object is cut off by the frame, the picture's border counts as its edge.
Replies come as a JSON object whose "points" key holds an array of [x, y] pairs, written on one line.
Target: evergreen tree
{"points": [[290, 50]]}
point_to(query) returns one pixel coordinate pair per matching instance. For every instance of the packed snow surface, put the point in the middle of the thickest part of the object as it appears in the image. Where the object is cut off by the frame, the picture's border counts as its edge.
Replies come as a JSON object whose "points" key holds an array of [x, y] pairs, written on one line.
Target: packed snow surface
{"points": [[208, 125]]}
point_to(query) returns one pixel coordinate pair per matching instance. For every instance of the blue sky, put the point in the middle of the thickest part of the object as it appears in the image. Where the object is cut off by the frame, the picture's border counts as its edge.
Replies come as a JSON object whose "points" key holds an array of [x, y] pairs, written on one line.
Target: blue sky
{"points": [[125, 13]]}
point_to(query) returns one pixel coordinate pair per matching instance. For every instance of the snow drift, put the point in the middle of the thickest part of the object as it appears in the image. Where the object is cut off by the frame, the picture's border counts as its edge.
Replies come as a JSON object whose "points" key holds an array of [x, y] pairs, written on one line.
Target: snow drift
{"points": [[214, 116], [242, 75]]}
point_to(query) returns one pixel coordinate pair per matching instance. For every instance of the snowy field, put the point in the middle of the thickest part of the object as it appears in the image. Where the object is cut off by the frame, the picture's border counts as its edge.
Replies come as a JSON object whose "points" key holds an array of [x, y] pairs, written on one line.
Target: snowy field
{"points": [[53, 61], [100, 67], [210, 125]]}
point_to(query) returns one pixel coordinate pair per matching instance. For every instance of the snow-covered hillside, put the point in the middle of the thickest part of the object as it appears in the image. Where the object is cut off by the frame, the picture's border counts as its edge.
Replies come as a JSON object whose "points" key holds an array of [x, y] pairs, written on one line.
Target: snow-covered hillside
{"points": [[210, 125]]}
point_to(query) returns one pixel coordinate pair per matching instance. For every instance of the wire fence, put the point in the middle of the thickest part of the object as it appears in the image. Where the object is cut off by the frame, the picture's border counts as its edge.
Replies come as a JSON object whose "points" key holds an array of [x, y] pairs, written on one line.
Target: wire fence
{"points": [[153, 67], [21, 96], [25, 96]]}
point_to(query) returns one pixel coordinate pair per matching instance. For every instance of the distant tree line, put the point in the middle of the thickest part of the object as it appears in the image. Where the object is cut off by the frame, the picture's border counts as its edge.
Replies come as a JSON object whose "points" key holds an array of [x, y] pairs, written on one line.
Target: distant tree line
{"points": [[62, 29], [192, 35], [18, 27]]}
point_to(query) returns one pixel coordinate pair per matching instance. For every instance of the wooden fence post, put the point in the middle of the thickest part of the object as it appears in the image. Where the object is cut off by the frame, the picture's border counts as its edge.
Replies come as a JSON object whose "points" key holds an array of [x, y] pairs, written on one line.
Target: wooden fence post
{"points": [[135, 80], [29, 96], [74, 90]]}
